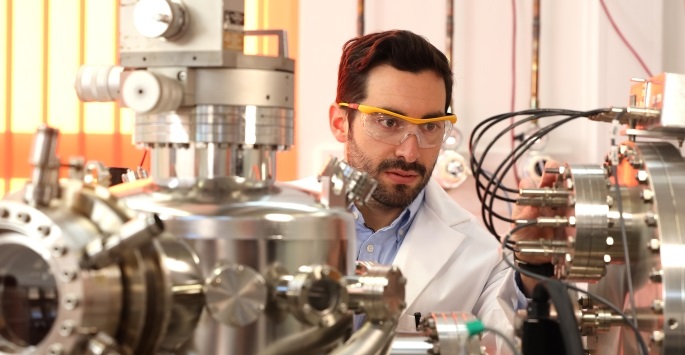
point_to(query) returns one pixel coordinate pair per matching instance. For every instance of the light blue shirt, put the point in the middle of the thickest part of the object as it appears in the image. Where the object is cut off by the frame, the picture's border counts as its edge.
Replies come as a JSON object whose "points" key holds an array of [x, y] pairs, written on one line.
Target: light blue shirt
{"points": [[382, 245]]}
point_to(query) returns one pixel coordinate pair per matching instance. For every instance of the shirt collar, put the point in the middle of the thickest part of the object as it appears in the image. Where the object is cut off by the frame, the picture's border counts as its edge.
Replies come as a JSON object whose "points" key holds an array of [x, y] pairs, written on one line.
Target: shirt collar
{"points": [[402, 223]]}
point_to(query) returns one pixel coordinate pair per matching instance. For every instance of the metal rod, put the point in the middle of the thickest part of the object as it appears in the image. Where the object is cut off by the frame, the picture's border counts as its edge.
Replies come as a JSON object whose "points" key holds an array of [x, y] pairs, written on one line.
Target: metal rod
{"points": [[360, 18], [449, 37], [534, 101]]}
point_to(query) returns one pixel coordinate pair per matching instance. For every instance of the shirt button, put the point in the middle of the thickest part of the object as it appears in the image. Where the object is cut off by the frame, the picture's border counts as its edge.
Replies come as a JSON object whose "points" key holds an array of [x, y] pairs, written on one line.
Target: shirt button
{"points": [[369, 248], [355, 215], [401, 232]]}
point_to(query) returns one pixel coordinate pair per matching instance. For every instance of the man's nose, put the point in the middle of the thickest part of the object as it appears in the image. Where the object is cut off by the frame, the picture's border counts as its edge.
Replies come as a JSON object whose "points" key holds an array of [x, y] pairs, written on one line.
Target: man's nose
{"points": [[408, 148]]}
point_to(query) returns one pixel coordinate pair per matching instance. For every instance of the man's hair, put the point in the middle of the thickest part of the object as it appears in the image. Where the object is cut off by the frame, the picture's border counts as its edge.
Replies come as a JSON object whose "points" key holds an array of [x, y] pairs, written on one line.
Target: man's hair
{"points": [[403, 50]]}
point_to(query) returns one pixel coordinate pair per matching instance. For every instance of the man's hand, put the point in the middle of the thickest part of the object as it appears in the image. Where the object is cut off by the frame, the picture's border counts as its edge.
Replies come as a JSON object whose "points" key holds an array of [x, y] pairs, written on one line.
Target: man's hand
{"points": [[533, 232]]}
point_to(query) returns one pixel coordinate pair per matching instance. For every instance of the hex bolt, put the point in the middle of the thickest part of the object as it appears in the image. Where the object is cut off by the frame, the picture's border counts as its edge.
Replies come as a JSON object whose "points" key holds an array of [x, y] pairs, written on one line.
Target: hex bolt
{"points": [[658, 306], [642, 176], [55, 349], [44, 230], [67, 328], [71, 302], [657, 337], [647, 195], [24, 217], [58, 250], [656, 275], [650, 219], [68, 275], [654, 244]]}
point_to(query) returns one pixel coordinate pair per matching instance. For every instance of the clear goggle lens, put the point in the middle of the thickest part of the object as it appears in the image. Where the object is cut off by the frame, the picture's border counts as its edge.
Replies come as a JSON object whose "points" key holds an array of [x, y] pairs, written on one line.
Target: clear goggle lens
{"points": [[393, 130]]}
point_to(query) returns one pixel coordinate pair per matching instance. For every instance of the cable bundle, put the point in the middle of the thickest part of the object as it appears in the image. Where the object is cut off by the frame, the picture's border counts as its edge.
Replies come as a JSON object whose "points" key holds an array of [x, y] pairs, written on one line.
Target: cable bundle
{"points": [[489, 184]]}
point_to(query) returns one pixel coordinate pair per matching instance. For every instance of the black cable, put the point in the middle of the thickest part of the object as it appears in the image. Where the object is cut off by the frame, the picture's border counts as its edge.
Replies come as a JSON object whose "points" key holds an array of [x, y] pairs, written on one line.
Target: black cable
{"points": [[557, 293], [602, 300], [476, 165], [477, 169], [488, 184], [511, 159], [518, 152]]}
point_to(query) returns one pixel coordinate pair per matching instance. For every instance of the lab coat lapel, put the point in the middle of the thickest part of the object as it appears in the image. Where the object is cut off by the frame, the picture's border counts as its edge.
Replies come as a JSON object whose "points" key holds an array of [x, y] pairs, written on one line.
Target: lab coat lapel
{"points": [[428, 245]]}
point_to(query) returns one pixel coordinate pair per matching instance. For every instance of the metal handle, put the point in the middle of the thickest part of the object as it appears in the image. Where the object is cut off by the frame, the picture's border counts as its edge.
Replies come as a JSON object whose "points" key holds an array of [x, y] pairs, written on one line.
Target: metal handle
{"points": [[282, 39]]}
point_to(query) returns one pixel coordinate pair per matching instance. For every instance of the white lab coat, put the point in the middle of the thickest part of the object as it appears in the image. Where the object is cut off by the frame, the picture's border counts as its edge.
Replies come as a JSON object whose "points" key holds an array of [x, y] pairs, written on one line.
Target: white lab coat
{"points": [[452, 263]]}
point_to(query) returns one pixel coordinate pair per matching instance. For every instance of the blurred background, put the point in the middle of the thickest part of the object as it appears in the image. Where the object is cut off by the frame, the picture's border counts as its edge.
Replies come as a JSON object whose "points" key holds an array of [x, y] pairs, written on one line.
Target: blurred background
{"points": [[587, 52]]}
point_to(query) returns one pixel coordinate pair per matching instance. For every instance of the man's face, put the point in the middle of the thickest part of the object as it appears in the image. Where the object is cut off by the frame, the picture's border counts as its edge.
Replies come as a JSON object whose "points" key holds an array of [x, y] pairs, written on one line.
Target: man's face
{"points": [[402, 170]]}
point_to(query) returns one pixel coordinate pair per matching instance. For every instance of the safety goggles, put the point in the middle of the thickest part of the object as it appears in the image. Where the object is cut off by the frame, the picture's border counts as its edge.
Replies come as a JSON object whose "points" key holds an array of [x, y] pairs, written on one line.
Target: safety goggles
{"points": [[393, 128]]}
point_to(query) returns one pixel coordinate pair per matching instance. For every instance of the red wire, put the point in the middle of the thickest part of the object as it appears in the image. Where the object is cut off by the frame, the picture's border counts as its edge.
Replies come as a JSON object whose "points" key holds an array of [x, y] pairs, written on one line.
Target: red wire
{"points": [[625, 41], [143, 160], [513, 86]]}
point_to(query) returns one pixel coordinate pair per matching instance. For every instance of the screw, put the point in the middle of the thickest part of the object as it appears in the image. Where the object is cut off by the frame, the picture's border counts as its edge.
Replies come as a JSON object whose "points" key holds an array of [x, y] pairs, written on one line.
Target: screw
{"points": [[656, 275], [44, 230], [24, 217], [650, 219], [67, 328], [642, 176], [658, 306], [70, 302], [55, 349], [654, 244], [68, 275], [58, 250], [657, 336], [647, 195]]}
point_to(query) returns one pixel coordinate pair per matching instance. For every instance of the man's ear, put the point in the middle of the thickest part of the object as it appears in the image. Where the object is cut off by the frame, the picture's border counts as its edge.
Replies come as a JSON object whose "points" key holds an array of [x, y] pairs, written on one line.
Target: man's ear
{"points": [[337, 119]]}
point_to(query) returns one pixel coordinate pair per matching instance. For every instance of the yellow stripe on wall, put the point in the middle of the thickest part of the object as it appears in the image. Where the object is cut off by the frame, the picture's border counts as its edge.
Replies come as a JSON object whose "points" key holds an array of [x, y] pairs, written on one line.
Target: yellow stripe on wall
{"points": [[128, 120], [27, 61], [63, 54], [17, 183], [100, 31]]}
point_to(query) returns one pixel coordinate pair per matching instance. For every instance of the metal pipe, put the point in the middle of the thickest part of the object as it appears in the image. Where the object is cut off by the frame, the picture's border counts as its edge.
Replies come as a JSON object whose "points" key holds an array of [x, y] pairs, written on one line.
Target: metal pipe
{"points": [[449, 36], [534, 101], [371, 339], [44, 179], [311, 340], [360, 18]]}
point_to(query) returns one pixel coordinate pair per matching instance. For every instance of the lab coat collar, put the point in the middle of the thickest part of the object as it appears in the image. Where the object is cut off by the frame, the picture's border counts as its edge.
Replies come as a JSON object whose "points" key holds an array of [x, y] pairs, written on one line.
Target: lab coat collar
{"points": [[430, 242]]}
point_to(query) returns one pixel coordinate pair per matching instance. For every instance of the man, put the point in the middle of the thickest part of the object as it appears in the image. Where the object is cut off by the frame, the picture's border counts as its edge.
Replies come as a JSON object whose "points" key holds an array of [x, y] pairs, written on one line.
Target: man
{"points": [[394, 90]]}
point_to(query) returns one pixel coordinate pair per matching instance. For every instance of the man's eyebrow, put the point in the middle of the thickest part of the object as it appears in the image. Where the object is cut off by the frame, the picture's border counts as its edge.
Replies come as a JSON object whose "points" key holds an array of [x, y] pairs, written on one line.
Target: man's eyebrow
{"points": [[429, 115]]}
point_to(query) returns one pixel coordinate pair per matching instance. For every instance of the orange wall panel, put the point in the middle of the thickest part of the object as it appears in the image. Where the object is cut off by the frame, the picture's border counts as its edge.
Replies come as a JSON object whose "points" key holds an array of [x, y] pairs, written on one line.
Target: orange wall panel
{"points": [[42, 44]]}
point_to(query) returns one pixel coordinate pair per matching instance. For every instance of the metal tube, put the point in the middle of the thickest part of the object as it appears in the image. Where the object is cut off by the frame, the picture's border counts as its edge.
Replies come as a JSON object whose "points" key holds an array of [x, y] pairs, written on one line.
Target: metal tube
{"points": [[543, 192], [371, 339], [44, 179], [311, 340], [449, 36], [360, 18], [534, 102]]}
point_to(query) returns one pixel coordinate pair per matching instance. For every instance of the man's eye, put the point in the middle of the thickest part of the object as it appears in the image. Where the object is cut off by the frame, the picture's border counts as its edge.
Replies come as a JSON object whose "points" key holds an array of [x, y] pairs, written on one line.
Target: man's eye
{"points": [[431, 127], [388, 122]]}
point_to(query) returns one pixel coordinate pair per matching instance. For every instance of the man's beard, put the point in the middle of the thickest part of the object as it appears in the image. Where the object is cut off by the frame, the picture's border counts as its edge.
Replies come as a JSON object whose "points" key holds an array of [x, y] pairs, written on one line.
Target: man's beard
{"points": [[390, 195]]}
